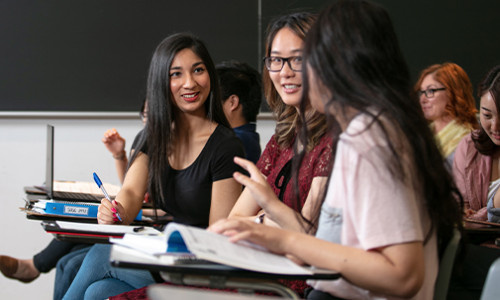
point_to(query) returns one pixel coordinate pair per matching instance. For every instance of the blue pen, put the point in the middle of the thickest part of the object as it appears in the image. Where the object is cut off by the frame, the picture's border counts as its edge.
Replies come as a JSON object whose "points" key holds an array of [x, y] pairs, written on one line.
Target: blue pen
{"points": [[101, 186]]}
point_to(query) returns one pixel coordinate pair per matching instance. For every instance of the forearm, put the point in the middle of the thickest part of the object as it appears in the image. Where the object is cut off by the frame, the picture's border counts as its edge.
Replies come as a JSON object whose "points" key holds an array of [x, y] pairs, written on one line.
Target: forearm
{"points": [[245, 206], [396, 270], [132, 204], [279, 214]]}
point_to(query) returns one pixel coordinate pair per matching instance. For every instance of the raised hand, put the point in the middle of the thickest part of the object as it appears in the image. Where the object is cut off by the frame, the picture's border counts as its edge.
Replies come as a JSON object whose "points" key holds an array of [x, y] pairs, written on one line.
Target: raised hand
{"points": [[114, 142], [256, 183]]}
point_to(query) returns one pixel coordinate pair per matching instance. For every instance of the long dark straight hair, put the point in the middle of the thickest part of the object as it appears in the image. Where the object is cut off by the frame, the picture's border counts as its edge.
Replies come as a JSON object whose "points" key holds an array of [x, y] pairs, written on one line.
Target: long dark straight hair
{"points": [[161, 113], [355, 56]]}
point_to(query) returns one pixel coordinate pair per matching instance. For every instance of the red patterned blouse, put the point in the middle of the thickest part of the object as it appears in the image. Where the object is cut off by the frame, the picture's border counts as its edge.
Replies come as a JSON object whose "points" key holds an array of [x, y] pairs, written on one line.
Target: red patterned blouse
{"points": [[318, 162]]}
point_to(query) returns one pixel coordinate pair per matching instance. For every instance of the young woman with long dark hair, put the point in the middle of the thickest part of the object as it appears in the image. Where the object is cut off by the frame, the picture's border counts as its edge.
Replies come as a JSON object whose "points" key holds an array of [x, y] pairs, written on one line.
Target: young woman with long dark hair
{"points": [[391, 206], [183, 160]]}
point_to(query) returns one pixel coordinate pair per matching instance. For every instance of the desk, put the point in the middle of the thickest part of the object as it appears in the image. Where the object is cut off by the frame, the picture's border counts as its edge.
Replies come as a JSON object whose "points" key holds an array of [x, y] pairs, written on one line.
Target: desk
{"points": [[211, 275], [93, 233], [479, 232], [163, 292]]}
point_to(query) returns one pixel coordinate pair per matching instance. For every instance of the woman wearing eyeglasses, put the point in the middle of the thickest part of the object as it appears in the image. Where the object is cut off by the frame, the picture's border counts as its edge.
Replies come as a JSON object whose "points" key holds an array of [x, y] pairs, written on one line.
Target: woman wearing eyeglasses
{"points": [[445, 95], [282, 81]]}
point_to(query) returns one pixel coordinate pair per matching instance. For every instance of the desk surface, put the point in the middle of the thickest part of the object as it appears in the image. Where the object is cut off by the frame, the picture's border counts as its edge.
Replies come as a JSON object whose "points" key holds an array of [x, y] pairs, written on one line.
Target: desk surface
{"points": [[479, 232], [128, 258]]}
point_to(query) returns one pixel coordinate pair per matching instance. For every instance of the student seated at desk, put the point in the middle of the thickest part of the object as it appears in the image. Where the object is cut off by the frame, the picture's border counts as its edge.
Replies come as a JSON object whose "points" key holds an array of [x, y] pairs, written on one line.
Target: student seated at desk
{"points": [[477, 173], [282, 77], [184, 161], [27, 270], [445, 95], [390, 208], [241, 92], [285, 36], [477, 161]]}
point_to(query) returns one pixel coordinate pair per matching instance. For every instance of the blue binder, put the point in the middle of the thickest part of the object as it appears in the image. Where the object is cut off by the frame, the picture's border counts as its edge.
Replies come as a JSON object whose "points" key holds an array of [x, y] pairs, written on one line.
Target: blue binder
{"points": [[73, 209]]}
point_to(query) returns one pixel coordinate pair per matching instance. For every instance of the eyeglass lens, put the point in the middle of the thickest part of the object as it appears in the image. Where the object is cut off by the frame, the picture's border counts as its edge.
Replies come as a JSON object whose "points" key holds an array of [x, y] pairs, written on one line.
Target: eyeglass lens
{"points": [[429, 93], [276, 63]]}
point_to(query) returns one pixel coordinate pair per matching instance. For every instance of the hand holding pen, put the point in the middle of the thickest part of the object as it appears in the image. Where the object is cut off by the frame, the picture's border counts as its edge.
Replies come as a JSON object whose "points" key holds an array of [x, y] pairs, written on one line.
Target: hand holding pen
{"points": [[101, 186]]}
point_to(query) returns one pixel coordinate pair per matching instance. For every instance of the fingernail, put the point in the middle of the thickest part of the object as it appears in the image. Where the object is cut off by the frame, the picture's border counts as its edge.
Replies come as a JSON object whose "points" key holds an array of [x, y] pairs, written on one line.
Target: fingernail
{"points": [[114, 202], [113, 209], [115, 219]]}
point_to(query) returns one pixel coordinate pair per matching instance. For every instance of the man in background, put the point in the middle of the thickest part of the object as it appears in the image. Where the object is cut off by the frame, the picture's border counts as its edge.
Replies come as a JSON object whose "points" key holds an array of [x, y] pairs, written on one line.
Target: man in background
{"points": [[241, 89]]}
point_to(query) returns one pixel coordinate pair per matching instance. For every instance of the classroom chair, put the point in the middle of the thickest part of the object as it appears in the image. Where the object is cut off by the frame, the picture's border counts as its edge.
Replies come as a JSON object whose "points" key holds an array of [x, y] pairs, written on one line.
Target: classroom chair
{"points": [[491, 289], [164, 292], [446, 267]]}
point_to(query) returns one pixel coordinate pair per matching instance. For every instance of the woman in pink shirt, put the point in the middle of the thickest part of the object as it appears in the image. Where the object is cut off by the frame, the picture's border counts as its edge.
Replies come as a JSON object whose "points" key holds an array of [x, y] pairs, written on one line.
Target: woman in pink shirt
{"points": [[477, 160], [390, 207]]}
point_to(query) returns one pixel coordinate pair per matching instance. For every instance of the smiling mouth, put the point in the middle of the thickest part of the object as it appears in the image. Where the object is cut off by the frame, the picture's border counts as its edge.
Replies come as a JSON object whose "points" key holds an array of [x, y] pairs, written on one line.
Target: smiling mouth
{"points": [[190, 97], [291, 88]]}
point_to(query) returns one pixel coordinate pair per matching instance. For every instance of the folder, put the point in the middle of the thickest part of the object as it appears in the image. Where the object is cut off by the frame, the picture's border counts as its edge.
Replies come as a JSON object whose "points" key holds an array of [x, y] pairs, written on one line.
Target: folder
{"points": [[71, 209], [75, 209]]}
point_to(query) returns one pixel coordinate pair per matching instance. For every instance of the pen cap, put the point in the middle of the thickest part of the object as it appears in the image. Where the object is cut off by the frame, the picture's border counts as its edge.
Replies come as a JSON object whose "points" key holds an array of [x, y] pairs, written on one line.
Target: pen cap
{"points": [[97, 180]]}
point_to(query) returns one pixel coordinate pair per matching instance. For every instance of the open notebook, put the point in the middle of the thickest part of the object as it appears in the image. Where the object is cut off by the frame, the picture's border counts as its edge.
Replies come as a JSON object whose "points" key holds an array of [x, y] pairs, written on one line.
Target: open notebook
{"points": [[70, 190]]}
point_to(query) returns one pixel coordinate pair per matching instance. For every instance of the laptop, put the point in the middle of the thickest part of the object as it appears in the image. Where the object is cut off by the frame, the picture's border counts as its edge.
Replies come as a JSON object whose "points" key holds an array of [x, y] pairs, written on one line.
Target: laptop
{"points": [[70, 190]]}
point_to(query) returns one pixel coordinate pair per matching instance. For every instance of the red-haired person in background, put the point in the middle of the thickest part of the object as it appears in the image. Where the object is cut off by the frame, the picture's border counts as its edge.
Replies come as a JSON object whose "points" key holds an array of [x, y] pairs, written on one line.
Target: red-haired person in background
{"points": [[445, 95]]}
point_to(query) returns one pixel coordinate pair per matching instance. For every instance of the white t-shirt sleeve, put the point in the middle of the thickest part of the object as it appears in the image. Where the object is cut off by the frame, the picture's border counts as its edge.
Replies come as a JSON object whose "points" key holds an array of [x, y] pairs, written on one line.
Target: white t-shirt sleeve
{"points": [[378, 209]]}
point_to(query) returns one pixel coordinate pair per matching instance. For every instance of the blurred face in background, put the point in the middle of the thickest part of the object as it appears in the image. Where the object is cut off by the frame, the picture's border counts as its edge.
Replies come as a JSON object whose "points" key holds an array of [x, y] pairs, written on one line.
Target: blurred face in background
{"points": [[489, 118], [433, 99]]}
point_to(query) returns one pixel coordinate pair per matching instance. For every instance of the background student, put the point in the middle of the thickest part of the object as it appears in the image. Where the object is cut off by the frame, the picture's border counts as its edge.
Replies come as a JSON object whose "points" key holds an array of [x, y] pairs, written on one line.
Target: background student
{"points": [[445, 95], [184, 160], [115, 144], [477, 162], [390, 207], [27, 270], [477, 173], [241, 91]]}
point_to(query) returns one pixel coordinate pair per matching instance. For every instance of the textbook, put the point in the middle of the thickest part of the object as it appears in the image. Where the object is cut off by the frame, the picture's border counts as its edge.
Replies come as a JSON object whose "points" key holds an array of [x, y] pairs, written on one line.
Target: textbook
{"points": [[180, 241]]}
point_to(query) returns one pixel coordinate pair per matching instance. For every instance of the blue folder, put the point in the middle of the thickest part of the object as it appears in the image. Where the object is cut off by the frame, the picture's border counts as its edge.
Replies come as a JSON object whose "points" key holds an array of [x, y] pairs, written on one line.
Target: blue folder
{"points": [[73, 209]]}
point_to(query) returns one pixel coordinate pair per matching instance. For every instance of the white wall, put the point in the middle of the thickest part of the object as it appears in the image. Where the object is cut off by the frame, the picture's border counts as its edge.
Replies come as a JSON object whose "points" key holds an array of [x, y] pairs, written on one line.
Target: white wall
{"points": [[78, 151]]}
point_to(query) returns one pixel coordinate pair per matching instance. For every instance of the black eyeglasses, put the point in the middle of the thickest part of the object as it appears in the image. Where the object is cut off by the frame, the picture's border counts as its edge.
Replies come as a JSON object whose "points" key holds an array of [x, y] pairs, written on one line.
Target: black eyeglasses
{"points": [[429, 93], [276, 63]]}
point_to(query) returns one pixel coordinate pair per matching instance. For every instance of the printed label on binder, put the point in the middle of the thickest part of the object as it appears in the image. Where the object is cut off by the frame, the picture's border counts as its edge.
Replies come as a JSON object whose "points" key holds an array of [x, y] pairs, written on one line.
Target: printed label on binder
{"points": [[76, 210]]}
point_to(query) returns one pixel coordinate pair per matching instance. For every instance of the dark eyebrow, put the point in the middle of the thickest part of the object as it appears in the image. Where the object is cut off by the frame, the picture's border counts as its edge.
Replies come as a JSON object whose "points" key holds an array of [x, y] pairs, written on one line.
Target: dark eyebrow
{"points": [[295, 51], [482, 107], [194, 65]]}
